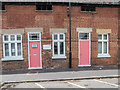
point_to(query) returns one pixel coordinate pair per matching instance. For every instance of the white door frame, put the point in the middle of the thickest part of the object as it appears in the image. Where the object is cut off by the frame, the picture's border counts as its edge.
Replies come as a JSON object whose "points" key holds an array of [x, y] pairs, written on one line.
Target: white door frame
{"points": [[40, 50], [89, 50]]}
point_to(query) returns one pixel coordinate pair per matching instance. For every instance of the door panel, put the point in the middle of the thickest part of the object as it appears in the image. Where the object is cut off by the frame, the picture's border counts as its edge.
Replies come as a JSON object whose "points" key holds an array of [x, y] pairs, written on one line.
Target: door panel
{"points": [[84, 52], [34, 50], [84, 49]]}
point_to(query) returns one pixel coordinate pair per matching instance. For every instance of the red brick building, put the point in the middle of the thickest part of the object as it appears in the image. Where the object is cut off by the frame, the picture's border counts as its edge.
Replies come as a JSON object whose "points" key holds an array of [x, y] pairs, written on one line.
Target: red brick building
{"points": [[35, 35]]}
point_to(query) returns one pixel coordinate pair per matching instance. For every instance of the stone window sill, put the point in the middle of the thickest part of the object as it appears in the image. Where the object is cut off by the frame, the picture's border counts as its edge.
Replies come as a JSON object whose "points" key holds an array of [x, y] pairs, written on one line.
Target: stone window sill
{"points": [[103, 56], [12, 59]]}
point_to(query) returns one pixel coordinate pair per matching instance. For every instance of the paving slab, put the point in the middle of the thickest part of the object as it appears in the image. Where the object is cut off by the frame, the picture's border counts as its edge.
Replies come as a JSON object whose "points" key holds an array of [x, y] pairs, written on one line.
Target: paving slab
{"points": [[67, 75]]}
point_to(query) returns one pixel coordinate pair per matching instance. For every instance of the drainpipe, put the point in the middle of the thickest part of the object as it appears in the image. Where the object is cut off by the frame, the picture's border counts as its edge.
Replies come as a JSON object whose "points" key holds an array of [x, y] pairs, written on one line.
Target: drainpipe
{"points": [[70, 53]]}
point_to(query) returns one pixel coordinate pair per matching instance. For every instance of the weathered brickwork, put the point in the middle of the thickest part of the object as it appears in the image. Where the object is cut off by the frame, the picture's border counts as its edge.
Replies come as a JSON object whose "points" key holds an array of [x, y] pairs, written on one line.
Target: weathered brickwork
{"points": [[0, 48], [25, 16], [0, 40], [119, 35]]}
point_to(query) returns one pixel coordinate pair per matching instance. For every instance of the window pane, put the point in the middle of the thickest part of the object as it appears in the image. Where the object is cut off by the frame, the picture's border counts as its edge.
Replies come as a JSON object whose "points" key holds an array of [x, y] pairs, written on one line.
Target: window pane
{"points": [[6, 49], [84, 36], [49, 7], [43, 7], [12, 37], [12, 49], [18, 37], [55, 47], [55, 37], [61, 48], [100, 47], [105, 37], [61, 36], [99, 37], [6, 38], [34, 36], [19, 49], [88, 8], [105, 47]]}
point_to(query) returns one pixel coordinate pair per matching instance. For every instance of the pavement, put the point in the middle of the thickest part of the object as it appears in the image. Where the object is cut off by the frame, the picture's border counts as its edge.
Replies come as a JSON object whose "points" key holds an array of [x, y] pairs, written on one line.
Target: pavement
{"points": [[24, 71], [99, 76], [60, 76]]}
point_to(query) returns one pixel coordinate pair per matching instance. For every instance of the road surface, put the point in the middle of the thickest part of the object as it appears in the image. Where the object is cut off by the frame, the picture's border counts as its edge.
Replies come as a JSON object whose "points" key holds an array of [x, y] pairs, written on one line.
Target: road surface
{"points": [[86, 83]]}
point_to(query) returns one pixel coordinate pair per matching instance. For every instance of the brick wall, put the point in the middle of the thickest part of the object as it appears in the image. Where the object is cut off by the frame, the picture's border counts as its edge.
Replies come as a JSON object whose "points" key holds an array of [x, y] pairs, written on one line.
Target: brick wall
{"points": [[0, 54], [119, 35], [25, 16], [102, 19], [0, 40]]}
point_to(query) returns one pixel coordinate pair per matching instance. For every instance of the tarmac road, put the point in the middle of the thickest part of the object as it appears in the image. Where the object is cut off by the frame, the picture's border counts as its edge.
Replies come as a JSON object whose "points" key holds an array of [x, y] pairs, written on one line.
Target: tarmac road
{"points": [[87, 83]]}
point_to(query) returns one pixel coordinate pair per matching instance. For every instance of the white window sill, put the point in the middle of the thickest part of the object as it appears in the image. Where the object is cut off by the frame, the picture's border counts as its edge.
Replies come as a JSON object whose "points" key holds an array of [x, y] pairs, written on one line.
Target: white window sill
{"points": [[59, 57], [103, 55], [3, 11], [12, 59], [88, 11]]}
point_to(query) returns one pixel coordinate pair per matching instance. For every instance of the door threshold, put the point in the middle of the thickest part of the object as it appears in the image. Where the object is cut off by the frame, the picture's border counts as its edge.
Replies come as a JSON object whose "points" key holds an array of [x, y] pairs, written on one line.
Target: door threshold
{"points": [[84, 65], [35, 68]]}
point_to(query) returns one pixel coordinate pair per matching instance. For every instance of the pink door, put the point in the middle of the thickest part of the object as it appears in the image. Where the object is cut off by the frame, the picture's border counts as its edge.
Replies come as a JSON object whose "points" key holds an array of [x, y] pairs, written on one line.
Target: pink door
{"points": [[35, 55], [84, 49]]}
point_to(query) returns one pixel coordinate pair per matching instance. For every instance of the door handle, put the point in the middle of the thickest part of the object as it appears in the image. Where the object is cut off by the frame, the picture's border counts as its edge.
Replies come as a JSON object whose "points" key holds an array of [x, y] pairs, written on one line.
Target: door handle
{"points": [[80, 54]]}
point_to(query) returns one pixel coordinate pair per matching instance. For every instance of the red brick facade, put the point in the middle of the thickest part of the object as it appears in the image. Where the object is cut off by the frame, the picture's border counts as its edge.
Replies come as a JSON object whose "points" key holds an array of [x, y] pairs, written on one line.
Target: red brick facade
{"points": [[119, 35], [25, 16]]}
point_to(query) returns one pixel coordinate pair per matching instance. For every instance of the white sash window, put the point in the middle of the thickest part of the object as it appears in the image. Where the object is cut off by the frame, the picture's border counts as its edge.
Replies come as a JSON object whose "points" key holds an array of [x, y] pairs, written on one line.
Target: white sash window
{"points": [[103, 46], [58, 45], [12, 47]]}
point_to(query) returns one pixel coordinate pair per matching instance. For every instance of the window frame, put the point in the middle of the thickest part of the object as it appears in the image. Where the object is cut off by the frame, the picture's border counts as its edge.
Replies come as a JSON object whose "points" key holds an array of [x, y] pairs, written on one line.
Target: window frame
{"points": [[88, 37], [34, 33], [2, 7], [9, 42], [102, 41], [84, 7], [39, 7], [58, 41]]}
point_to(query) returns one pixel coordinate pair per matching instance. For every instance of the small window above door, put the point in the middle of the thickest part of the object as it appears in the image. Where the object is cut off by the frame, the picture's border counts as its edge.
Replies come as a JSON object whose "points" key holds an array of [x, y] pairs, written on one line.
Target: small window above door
{"points": [[84, 36], [34, 36]]}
